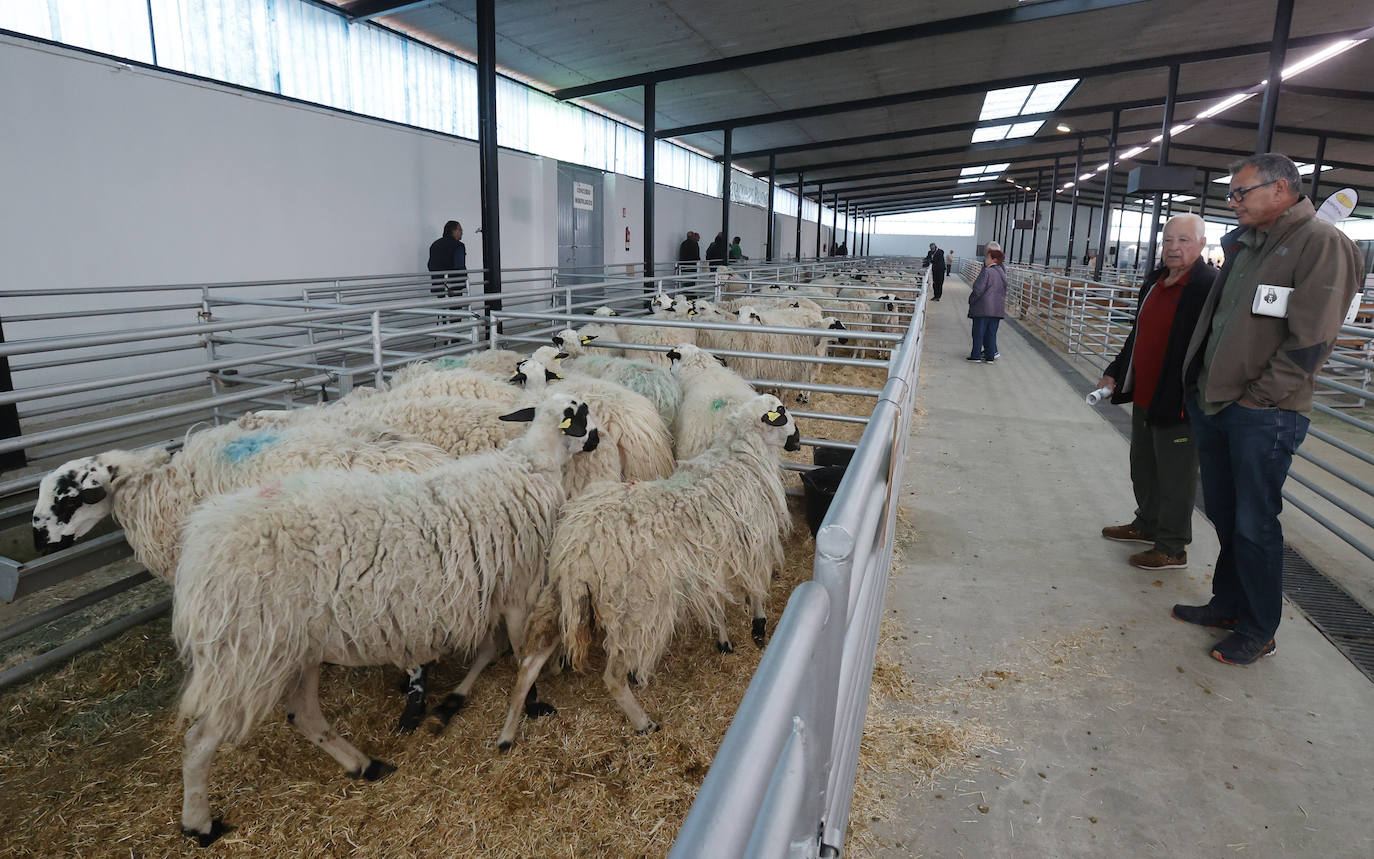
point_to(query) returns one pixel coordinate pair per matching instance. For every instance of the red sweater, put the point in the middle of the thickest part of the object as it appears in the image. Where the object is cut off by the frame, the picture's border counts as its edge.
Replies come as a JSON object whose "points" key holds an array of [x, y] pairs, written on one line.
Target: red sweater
{"points": [[1152, 336]]}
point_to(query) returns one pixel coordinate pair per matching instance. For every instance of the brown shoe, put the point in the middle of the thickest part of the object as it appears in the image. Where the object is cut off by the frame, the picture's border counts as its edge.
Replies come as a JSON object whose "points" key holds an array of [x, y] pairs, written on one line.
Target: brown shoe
{"points": [[1153, 559], [1127, 534]]}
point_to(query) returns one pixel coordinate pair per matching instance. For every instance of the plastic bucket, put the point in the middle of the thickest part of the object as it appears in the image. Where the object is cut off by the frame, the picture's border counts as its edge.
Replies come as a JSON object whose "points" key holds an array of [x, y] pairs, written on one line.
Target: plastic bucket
{"points": [[818, 486]]}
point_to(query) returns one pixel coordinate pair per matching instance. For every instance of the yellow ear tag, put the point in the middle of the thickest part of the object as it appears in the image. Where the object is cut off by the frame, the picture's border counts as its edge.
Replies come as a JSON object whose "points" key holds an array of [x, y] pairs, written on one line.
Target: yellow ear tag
{"points": [[586, 340], [567, 422], [772, 416], [557, 377]]}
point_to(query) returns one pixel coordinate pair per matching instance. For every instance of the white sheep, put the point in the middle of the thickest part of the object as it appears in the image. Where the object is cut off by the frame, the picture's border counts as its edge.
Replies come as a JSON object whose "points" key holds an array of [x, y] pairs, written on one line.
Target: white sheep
{"points": [[606, 332], [795, 315], [650, 381], [613, 576], [709, 392], [664, 308], [356, 569]]}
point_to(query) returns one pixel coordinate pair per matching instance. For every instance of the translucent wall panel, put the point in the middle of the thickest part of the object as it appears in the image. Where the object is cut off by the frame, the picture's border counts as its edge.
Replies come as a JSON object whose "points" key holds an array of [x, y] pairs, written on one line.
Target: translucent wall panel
{"points": [[118, 27]]}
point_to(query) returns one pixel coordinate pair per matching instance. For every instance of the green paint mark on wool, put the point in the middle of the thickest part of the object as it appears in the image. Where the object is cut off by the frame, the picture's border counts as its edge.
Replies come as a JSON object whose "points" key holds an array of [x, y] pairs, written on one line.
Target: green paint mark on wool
{"points": [[450, 363], [717, 404]]}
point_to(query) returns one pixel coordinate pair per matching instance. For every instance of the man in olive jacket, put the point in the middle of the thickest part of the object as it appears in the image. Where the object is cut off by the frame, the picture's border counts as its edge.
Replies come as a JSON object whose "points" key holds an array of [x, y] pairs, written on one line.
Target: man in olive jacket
{"points": [[1250, 372], [1149, 374]]}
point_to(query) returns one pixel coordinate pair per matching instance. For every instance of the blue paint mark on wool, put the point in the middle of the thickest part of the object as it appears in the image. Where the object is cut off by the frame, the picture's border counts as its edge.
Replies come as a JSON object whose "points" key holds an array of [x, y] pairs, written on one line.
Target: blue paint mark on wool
{"points": [[450, 363], [250, 445], [717, 404]]}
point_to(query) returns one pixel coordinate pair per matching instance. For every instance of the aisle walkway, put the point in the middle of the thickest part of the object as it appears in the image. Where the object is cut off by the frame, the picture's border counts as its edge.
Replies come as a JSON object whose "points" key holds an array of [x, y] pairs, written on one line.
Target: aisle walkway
{"points": [[1123, 737]]}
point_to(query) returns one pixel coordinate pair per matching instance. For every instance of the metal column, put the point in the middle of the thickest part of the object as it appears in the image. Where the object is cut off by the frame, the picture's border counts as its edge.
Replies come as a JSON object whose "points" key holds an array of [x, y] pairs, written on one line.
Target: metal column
{"points": [[650, 111], [1035, 216], [1269, 107], [725, 190], [1317, 169], [820, 212], [1169, 98], [487, 151], [1073, 207], [1054, 193], [1107, 196], [769, 221], [1202, 205], [1018, 240], [801, 207], [9, 415], [834, 220]]}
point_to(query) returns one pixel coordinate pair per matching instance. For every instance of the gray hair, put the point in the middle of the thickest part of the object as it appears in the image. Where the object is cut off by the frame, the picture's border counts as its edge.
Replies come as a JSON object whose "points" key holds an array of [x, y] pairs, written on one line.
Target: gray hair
{"points": [[1199, 225], [992, 246], [1272, 167]]}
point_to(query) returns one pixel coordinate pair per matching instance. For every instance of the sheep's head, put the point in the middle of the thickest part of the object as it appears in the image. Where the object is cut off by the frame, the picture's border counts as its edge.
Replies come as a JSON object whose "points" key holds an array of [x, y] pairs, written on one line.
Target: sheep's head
{"points": [[702, 306], [690, 356], [767, 414], [662, 302], [569, 415], [73, 498], [749, 315], [833, 324], [549, 356], [570, 343], [604, 311], [533, 375]]}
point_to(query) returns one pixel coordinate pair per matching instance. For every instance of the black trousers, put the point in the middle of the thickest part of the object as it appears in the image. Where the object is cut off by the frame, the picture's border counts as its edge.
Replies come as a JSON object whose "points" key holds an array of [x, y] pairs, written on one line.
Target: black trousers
{"points": [[937, 280], [1164, 477]]}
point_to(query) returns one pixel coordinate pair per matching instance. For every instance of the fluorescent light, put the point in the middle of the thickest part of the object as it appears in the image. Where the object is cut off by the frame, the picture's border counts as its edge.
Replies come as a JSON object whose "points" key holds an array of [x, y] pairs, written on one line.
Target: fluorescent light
{"points": [[1101, 168], [1062, 128], [1067, 185], [1130, 153], [1226, 104], [1319, 57], [1085, 177]]}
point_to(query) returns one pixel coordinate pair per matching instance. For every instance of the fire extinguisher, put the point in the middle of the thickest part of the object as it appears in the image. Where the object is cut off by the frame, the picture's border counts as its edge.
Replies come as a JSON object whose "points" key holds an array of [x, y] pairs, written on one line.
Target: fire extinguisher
{"points": [[627, 238]]}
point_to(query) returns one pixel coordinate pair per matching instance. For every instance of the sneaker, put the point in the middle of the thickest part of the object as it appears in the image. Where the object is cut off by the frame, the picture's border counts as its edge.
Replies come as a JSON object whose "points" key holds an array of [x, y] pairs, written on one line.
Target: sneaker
{"points": [[998, 355], [1203, 615], [1240, 649], [1127, 534], [989, 360], [972, 358], [1153, 559]]}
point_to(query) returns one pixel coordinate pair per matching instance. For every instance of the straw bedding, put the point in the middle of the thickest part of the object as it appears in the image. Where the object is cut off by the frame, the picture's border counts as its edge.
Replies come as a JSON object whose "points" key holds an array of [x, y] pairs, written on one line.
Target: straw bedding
{"points": [[90, 755]]}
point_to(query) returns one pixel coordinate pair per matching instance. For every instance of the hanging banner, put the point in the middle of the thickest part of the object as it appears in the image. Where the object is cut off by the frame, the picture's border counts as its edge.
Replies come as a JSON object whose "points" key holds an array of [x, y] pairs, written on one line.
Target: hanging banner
{"points": [[582, 196]]}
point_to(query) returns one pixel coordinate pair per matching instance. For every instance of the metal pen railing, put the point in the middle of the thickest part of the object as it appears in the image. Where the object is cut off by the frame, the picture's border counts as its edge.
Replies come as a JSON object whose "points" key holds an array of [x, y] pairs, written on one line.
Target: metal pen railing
{"points": [[1091, 320], [782, 781]]}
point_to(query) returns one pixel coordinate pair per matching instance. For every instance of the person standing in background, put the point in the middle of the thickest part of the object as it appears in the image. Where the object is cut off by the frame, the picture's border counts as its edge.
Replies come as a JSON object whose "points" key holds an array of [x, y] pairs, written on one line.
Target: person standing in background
{"points": [[689, 252], [949, 263], [1149, 374], [936, 260], [716, 251], [736, 252], [448, 254], [987, 304], [1264, 331]]}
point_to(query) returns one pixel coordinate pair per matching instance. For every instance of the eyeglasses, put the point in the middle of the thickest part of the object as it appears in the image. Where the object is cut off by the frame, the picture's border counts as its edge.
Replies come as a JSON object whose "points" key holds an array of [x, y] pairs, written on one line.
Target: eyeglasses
{"points": [[1239, 194]]}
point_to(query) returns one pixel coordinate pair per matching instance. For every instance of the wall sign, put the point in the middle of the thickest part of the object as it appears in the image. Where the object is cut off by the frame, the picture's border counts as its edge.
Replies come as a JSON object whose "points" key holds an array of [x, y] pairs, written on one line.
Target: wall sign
{"points": [[582, 196]]}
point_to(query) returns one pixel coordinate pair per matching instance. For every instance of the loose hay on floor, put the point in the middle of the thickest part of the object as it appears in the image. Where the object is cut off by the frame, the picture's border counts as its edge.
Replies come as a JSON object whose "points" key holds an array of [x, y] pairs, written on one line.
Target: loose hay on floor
{"points": [[90, 755]]}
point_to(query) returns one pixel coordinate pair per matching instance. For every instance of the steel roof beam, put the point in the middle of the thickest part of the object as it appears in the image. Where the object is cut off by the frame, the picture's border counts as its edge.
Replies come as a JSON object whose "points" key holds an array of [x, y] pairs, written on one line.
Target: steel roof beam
{"points": [[981, 87], [888, 174], [366, 10], [947, 27], [1327, 92], [1241, 153], [1090, 110], [1290, 129]]}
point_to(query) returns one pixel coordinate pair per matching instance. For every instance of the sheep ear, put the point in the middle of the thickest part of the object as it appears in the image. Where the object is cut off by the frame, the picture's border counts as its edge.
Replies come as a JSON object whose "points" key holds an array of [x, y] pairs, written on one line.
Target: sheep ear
{"points": [[560, 356], [551, 376], [94, 495], [557, 340], [586, 338], [674, 355], [613, 313], [776, 418], [720, 360], [523, 416], [518, 379]]}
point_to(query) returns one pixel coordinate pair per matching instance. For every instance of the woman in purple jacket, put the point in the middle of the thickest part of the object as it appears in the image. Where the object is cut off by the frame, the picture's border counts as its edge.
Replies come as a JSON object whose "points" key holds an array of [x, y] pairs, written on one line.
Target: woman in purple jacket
{"points": [[987, 304]]}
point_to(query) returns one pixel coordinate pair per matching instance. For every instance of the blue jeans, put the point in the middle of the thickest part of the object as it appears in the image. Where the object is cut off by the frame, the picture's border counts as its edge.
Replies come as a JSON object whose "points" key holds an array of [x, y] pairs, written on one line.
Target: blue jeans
{"points": [[1243, 457], [985, 337]]}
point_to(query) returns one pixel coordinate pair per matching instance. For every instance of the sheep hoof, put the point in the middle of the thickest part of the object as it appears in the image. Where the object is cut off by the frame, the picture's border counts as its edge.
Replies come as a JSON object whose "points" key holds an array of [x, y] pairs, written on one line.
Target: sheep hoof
{"points": [[376, 771], [450, 707], [725, 646], [504, 746], [205, 839], [411, 717], [760, 627], [632, 679], [651, 728], [539, 709]]}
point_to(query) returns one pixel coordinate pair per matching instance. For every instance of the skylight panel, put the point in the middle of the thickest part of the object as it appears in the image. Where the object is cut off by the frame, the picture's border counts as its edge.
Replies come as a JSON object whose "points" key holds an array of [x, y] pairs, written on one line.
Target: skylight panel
{"points": [[1024, 129], [996, 132], [1000, 103], [1048, 96], [967, 179]]}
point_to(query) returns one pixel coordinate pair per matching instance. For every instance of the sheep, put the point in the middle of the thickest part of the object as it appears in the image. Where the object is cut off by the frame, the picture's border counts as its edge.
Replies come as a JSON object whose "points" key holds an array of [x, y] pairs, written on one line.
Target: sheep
{"points": [[364, 570], [498, 361], [709, 392], [795, 316], [650, 381], [606, 332], [665, 308], [612, 575], [150, 492], [419, 380]]}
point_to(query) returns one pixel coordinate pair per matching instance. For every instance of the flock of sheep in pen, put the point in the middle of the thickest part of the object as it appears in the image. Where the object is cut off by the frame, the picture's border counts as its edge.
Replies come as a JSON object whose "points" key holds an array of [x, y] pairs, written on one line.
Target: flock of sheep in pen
{"points": [[473, 505]]}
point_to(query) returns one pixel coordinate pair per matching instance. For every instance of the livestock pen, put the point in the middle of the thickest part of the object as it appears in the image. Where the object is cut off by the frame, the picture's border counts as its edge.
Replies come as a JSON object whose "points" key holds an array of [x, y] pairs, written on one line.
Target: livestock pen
{"points": [[91, 748]]}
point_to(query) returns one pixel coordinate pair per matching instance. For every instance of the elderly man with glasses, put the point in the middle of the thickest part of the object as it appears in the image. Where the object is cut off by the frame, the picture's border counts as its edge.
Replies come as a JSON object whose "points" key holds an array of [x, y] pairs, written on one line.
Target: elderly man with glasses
{"points": [[1266, 328]]}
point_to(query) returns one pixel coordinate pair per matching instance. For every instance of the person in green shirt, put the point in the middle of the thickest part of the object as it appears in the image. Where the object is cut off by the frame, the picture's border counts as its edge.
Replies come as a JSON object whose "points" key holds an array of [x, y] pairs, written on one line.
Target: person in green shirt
{"points": [[1249, 373], [736, 252]]}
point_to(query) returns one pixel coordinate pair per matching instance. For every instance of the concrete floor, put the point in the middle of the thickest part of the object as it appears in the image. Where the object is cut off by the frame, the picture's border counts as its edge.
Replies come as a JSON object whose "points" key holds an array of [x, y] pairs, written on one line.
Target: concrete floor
{"points": [[1123, 737]]}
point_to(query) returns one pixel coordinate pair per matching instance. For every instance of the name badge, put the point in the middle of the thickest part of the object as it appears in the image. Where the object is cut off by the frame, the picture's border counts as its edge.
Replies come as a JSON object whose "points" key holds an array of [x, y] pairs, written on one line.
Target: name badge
{"points": [[1271, 301]]}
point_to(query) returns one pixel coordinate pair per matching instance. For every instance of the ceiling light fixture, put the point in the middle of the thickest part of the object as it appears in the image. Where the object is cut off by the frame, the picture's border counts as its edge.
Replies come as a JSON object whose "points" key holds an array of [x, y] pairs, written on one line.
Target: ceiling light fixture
{"points": [[1062, 128]]}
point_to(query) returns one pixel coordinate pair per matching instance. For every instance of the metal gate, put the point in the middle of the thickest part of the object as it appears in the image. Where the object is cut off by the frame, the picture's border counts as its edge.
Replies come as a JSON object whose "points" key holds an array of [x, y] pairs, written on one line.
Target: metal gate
{"points": [[580, 243]]}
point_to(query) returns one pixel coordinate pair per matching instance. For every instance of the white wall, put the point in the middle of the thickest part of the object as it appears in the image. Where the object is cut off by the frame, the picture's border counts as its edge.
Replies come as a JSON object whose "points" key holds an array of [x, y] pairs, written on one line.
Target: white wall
{"points": [[918, 246]]}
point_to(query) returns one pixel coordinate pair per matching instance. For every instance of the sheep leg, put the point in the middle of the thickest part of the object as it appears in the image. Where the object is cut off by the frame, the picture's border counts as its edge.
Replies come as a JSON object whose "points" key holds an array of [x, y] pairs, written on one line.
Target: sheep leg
{"points": [[197, 753], [614, 678], [303, 712], [723, 643], [487, 652], [516, 616], [417, 681], [524, 685]]}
